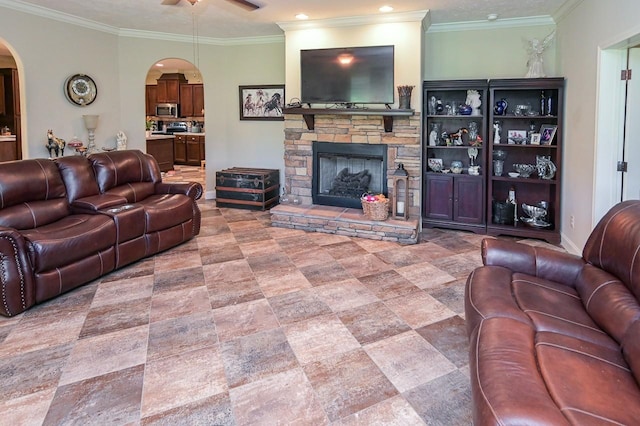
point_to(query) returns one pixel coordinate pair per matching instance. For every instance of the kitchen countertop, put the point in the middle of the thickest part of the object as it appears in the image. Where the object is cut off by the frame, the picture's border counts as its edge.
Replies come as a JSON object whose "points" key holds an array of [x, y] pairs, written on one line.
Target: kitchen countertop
{"points": [[157, 137]]}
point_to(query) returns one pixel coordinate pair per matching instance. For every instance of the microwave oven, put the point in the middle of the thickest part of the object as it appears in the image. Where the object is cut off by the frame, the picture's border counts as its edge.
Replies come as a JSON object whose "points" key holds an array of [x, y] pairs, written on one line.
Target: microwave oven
{"points": [[167, 110]]}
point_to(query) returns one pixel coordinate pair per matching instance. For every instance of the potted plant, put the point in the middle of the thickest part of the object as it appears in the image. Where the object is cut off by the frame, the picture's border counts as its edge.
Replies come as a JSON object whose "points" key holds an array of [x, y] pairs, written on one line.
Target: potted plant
{"points": [[148, 126]]}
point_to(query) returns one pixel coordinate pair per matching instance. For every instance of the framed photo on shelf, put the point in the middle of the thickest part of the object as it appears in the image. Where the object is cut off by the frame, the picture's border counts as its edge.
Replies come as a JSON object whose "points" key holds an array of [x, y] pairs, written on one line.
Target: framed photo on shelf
{"points": [[262, 102], [547, 133], [535, 139], [517, 137]]}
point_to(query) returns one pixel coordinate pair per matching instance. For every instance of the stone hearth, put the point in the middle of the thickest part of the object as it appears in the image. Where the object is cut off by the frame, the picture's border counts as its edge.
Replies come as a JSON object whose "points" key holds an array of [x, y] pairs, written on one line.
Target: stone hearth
{"points": [[403, 146]]}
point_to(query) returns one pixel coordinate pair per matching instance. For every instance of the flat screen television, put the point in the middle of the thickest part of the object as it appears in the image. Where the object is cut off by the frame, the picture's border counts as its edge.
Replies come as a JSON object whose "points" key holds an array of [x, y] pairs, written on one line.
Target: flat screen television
{"points": [[349, 75]]}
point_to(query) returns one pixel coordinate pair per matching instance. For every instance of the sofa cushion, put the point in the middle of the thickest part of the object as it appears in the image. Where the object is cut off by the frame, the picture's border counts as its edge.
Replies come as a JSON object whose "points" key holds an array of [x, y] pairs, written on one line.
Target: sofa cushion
{"points": [[113, 169], [32, 194], [77, 175], [69, 239], [166, 210]]}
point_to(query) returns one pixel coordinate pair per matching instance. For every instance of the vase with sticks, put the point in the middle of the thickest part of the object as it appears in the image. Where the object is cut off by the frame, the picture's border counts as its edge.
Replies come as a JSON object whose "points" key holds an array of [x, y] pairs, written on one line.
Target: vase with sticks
{"points": [[405, 96]]}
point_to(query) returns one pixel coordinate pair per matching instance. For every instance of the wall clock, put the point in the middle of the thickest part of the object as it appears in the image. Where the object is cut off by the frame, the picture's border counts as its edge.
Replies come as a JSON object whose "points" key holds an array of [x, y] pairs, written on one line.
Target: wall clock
{"points": [[80, 89]]}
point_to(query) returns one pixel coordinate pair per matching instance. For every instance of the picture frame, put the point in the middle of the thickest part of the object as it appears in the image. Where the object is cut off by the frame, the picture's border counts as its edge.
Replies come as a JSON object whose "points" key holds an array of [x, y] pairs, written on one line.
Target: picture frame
{"points": [[518, 137], [535, 139], [262, 102], [547, 133]]}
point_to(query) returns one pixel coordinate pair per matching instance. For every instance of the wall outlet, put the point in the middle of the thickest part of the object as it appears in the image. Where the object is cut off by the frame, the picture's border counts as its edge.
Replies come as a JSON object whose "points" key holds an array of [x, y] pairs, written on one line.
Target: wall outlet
{"points": [[572, 221]]}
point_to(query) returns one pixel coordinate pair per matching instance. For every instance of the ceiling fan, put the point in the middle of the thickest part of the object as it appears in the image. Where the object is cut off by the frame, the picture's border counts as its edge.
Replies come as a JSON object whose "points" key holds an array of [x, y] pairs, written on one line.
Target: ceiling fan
{"points": [[242, 3]]}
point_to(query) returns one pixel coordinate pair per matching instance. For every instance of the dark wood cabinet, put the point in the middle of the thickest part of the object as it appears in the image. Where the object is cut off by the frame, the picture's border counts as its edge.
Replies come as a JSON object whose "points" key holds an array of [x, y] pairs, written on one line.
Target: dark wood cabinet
{"points": [[168, 90], [198, 100], [163, 151], [189, 149], [531, 105], [151, 99], [180, 148], [451, 134], [191, 100], [455, 201]]}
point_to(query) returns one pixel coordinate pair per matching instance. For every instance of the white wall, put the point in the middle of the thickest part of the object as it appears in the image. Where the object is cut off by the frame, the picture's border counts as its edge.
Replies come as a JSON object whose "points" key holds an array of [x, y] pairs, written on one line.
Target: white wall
{"points": [[485, 54], [591, 26], [47, 53]]}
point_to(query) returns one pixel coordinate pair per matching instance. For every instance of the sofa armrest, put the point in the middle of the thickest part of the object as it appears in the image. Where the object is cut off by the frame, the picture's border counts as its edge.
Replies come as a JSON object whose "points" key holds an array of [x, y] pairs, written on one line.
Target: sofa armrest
{"points": [[94, 203], [536, 261], [191, 189], [17, 291]]}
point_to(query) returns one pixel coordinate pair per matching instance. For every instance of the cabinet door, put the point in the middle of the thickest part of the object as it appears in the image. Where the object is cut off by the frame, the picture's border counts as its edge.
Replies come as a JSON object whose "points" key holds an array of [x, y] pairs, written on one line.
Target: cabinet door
{"points": [[193, 150], [161, 92], [468, 200], [168, 91], [202, 152], [186, 100], [439, 202], [198, 100], [151, 98], [180, 151]]}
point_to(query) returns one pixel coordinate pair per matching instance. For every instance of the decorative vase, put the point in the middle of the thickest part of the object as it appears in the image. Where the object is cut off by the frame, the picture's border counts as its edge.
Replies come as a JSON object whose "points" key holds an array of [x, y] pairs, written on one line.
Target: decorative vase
{"points": [[501, 107], [404, 93]]}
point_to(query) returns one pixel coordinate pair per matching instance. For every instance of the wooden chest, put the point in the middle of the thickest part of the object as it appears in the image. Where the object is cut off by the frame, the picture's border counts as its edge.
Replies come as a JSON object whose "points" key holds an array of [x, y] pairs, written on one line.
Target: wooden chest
{"points": [[242, 187]]}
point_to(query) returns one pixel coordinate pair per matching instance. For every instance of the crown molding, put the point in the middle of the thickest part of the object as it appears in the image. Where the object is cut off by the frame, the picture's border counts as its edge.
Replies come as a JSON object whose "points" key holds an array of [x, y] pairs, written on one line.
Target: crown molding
{"points": [[565, 9], [184, 38], [43, 12], [352, 21], [491, 25]]}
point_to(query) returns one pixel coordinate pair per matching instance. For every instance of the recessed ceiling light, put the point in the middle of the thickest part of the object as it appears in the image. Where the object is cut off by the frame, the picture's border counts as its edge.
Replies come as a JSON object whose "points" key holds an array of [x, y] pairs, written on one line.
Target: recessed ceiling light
{"points": [[302, 16], [385, 9], [159, 65], [492, 16]]}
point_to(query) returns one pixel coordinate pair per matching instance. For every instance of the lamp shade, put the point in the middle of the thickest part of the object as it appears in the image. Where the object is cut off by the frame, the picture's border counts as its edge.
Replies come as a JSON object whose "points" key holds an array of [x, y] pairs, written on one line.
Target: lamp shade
{"points": [[90, 121]]}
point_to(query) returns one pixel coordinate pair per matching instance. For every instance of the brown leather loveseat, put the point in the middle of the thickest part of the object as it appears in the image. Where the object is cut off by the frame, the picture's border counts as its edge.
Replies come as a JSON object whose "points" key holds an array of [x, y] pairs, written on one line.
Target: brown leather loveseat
{"points": [[555, 338], [66, 222]]}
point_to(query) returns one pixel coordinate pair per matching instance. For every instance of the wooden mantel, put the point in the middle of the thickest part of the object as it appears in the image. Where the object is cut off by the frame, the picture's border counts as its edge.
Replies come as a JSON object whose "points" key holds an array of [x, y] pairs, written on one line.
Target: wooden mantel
{"points": [[387, 114]]}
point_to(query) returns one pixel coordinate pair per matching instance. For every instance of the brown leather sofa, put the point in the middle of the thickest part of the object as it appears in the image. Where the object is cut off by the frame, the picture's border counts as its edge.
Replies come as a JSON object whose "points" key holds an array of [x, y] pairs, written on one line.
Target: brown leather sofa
{"points": [[66, 222], [555, 338]]}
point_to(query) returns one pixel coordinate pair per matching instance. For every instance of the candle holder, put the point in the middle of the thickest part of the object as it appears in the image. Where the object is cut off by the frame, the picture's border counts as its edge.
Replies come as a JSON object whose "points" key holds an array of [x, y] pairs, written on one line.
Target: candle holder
{"points": [[91, 123], [400, 180]]}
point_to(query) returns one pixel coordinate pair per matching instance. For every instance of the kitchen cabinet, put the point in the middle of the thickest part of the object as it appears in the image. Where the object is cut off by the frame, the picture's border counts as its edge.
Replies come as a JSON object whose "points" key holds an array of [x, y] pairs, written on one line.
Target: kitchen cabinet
{"points": [[151, 99], [162, 150], [191, 100], [195, 149], [530, 105], [189, 149], [454, 199], [180, 148], [168, 90]]}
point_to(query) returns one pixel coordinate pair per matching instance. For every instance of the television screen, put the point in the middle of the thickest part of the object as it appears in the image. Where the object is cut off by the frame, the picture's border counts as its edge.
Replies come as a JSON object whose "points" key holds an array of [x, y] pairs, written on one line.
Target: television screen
{"points": [[352, 75]]}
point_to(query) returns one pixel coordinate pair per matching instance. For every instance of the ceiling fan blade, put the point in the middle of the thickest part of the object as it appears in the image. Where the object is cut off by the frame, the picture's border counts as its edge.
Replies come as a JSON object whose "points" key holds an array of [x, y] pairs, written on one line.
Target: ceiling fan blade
{"points": [[170, 2], [245, 4]]}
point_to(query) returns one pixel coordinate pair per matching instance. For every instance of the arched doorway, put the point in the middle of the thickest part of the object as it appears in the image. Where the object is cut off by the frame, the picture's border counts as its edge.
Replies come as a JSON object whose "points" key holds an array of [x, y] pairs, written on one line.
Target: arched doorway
{"points": [[174, 103], [10, 115]]}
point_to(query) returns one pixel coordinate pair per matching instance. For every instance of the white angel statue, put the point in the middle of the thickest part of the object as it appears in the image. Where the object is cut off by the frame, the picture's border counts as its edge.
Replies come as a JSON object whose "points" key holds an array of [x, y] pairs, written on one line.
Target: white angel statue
{"points": [[535, 48], [121, 141]]}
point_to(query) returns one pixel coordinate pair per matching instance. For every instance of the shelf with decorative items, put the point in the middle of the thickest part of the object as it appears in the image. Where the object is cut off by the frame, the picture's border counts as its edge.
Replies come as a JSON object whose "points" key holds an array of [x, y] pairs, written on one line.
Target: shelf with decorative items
{"points": [[525, 153], [455, 129]]}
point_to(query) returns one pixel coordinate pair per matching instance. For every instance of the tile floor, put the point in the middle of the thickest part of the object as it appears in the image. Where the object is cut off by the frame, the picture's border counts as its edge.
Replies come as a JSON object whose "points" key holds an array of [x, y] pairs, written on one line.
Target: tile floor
{"points": [[252, 325]]}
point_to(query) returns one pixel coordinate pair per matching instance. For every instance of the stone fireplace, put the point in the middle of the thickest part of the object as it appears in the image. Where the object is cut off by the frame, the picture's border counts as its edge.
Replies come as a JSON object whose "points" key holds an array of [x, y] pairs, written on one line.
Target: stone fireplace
{"points": [[341, 173], [402, 145]]}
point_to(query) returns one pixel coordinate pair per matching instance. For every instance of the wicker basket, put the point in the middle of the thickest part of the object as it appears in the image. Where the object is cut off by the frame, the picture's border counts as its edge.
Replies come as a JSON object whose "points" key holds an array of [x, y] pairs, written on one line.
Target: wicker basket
{"points": [[375, 210]]}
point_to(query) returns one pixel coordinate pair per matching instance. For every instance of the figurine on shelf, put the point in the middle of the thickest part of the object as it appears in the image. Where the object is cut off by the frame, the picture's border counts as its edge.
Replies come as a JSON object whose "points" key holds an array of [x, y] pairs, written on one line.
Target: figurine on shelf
{"points": [[433, 135], [55, 144], [497, 128], [432, 105], [121, 141], [473, 100], [535, 48]]}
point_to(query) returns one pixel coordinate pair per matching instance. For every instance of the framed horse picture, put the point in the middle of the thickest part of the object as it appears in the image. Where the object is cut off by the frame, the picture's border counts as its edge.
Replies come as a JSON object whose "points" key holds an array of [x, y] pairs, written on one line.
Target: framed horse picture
{"points": [[262, 102]]}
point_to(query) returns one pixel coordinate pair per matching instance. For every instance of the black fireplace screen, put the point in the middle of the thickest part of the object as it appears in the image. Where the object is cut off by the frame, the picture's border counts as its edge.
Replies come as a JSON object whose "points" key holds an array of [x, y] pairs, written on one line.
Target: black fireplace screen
{"points": [[343, 172]]}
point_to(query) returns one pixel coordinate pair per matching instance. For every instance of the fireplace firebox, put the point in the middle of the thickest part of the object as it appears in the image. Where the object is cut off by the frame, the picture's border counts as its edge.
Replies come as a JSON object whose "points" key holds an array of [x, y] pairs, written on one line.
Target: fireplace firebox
{"points": [[342, 172]]}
